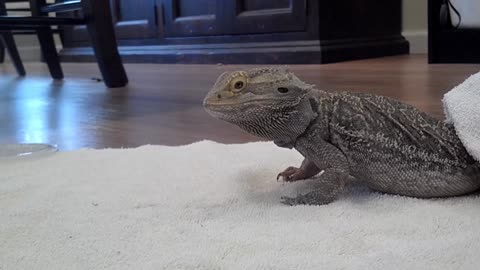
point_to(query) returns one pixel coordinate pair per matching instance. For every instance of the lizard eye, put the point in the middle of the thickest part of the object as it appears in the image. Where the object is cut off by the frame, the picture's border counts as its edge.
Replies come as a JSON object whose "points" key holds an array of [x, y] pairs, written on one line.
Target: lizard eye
{"points": [[238, 84]]}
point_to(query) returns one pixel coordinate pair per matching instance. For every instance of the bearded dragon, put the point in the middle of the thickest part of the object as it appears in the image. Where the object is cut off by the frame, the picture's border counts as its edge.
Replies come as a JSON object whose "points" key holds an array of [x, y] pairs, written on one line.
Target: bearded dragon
{"points": [[390, 146]]}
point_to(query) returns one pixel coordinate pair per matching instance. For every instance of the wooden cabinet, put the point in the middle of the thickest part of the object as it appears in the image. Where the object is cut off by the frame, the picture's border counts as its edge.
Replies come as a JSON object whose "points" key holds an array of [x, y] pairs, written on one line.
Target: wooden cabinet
{"points": [[226, 17], [132, 20], [193, 17], [259, 16], [249, 31]]}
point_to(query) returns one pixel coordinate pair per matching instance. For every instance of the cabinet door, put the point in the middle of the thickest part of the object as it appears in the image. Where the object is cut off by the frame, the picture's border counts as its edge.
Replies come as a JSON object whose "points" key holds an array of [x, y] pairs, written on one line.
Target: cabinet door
{"points": [[133, 19], [267, 16], [193, 17]]}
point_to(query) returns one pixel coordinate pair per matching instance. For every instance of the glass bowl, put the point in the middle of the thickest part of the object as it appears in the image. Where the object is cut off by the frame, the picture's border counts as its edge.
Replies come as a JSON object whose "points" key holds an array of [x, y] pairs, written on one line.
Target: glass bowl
{"points": [[25, 150]]}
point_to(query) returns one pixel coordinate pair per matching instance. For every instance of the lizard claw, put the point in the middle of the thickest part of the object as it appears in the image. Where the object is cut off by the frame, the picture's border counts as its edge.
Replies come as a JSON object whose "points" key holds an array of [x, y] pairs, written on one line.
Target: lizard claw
{"points": [[285, 176], [287, 201], [292, 174], [291, 201], [316, 197]]}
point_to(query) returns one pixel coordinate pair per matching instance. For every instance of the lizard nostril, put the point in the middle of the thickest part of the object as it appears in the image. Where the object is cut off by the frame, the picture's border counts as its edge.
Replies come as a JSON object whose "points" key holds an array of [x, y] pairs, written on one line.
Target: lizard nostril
{"points": [[219, 96]]}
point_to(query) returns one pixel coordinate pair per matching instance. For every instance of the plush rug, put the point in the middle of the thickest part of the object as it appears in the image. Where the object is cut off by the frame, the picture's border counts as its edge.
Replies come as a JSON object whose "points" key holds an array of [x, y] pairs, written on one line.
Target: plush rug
{"points": [[214, 206]]}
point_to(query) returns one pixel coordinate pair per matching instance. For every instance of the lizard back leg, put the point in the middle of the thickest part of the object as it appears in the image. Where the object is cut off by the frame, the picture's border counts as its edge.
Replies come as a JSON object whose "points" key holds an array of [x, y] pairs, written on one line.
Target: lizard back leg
{"points": [[393, 171], [422, 181]]}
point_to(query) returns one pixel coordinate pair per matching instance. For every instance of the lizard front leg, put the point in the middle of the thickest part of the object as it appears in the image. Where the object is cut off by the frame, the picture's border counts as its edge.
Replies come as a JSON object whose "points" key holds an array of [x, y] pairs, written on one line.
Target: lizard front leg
{"points": [[329, 184], [307, 169]]}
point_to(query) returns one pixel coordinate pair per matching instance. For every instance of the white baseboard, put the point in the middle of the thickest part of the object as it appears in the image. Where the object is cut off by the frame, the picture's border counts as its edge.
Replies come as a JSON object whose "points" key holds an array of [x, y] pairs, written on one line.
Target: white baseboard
{"points": [[418, 41], [29, 48], [30, 53]]}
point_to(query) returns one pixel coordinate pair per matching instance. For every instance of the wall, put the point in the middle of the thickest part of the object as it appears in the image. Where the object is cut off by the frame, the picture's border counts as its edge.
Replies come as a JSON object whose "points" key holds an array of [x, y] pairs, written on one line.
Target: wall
{"points": [[415, 15]]}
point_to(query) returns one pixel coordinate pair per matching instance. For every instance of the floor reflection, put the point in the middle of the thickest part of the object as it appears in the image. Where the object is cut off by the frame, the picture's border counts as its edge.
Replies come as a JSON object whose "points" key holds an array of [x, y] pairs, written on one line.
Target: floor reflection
{"points": [[39, 110], [162, 104]]}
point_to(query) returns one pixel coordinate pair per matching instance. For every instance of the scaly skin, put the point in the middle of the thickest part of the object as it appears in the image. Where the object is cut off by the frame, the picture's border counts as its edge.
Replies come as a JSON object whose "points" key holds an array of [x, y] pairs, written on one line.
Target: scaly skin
{"points": [[390, 146]]}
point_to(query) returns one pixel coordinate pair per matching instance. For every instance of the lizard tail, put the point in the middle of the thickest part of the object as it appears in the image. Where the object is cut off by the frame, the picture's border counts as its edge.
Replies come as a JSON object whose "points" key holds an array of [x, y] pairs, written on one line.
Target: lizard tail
{"points": [[462, 109]]}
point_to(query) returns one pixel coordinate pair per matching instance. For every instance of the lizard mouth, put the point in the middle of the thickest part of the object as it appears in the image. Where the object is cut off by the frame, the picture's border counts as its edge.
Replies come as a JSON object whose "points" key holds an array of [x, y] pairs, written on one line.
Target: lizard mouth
{"points": [[223, 103], [217, 104]]}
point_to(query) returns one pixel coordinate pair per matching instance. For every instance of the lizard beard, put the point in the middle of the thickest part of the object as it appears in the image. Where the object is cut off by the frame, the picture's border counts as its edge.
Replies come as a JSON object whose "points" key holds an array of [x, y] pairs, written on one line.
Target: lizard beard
{"points": [[279, 124]]}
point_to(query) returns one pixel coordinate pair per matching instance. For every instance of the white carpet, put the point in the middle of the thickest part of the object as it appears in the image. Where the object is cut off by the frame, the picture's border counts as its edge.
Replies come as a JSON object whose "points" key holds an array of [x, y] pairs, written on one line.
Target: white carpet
{"points": [[214, 206]]}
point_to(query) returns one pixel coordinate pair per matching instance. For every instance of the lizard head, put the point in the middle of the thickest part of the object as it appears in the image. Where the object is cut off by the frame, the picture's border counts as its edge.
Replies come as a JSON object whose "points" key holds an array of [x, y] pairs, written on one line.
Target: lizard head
{"points": [[270, 103]]}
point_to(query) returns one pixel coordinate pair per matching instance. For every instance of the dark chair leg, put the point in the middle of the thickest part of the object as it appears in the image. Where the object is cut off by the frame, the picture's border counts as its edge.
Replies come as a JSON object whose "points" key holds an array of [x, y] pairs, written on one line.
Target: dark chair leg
{"points": [[2, 53], [3, 12], [102, 34], [47, 43], [49, 51], [11, 47]]}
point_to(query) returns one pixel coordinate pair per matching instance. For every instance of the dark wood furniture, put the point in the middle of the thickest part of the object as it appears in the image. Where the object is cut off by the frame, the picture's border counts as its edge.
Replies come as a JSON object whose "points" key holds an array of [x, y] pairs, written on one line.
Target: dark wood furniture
{"points": [[447, 44], [7, 42], [96, 17], [249, 31]]}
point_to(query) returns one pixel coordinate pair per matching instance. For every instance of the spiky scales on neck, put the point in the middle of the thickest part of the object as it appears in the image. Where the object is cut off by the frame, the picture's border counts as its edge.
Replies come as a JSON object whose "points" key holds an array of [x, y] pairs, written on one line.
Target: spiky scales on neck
{"points": [[271, 103]]}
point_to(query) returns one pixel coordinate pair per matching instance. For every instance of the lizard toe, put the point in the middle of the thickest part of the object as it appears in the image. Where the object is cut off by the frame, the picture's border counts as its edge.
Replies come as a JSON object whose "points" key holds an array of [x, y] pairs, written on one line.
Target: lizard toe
{"points": [[287, 173], [288, 201]]}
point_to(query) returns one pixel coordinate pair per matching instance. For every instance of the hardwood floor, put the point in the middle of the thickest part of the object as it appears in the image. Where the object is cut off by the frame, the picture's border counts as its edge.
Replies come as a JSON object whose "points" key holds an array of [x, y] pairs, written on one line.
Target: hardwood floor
{"points": [[162, 104]]}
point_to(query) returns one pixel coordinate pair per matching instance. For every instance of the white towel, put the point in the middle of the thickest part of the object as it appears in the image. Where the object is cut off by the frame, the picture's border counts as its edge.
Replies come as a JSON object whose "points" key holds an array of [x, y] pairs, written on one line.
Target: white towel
{"points": [[213, 206], [462, 108]]}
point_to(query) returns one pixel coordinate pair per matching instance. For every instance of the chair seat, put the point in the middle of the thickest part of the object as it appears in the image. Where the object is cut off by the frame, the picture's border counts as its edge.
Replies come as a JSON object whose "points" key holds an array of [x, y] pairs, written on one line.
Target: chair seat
{"points": [[31, 21], [63, 7], [96, 17]]}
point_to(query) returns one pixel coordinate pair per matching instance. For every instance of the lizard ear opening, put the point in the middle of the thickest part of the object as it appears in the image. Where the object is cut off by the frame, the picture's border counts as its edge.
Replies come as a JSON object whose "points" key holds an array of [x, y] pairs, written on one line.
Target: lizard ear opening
{"points": [[282, 90], [313, 104]]}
